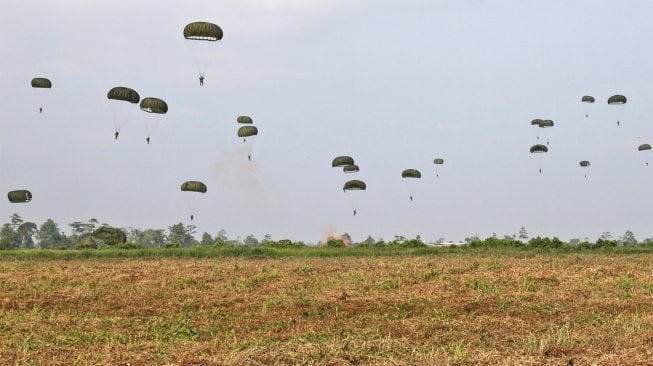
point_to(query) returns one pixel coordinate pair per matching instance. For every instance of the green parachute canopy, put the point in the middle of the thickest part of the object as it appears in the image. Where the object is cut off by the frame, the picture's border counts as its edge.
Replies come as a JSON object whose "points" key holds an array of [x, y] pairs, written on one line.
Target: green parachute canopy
{"points": [[536, 122], [41, 83], [351, 168], [411, 173], [203, 31], [193, 186], [19, 196], [438, 161], [644, 147], [154, 105], [587, 99], [244, 119], [538, 148], [342, 161], [247, 131], [124, 94], [546, 123], [354, 185], [617, 99], [110, 235], [584, 163]]}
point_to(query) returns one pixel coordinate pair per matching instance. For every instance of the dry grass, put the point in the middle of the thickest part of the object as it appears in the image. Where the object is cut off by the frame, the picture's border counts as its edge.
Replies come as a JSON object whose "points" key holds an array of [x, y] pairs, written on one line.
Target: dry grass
{"points": [[445, 310]]}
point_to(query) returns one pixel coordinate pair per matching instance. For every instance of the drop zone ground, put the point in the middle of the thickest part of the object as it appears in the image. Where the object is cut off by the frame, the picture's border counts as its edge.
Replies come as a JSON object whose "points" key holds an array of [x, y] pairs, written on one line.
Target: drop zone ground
{"points": [[453, 308]]}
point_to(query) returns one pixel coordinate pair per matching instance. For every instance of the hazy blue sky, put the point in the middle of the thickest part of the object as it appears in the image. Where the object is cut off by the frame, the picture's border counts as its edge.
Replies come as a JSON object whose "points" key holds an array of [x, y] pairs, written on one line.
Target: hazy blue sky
{"points": [[394, 84]]}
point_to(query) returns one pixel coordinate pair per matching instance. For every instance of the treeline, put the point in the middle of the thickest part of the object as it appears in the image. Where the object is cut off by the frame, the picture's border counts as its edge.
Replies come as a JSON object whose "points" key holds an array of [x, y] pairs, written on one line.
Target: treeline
{"points": [[18, 234]]}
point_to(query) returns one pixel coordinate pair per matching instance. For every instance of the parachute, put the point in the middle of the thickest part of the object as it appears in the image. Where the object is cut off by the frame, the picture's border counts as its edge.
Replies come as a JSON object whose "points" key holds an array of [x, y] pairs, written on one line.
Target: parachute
{"points": [[546, 123], [192, 200], [19, 196], [244, 119], [193, 186], [587, 99], [617, 99], [536, 122], [119, 109], [155, 107], [41, 83], [438, 161], [247, 131], [202, 55], [203, 31], [124, 94], [351, 168], [584, 163], [342, 161], [411, 173], [538, 148], [644, 147], [354, 185], [109, 235]]}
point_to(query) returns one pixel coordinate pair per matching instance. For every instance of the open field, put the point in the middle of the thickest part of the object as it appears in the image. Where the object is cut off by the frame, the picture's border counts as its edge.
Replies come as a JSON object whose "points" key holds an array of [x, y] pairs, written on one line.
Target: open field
{"points": [[446, 309]]}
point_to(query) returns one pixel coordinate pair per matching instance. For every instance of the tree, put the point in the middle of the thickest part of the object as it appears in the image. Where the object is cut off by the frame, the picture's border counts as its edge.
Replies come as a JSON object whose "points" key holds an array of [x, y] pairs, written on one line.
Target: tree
{"points": [[9, 239], [207, 239], [80, 229], [369, 240], [222, 235], [26, 232], [50, 236], [606, 235], [16, 220], [251, 240], [180, 235], [629, 238], [523, 234], [152, 238]]}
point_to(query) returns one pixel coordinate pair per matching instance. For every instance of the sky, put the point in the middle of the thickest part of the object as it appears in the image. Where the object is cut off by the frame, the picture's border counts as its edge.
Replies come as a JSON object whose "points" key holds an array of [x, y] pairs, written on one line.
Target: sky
{"points": [[394, 84]]}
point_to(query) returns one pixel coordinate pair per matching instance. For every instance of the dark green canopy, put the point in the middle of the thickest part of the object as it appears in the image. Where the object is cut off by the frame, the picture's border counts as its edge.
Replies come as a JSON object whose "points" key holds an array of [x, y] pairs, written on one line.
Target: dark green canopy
{"points": [[536, 122], [247, 131], [354, 185], [411, 173], [203, 31], [438, 161], [154, 105], [584, 163], [350, 168], [244, 119], [110, 235], [41, 83], [123, 93], [587, 99], [193, 186], [546, 123], [617, 99], [539, 148], [644, 147], [19, 196], [342, 161]]}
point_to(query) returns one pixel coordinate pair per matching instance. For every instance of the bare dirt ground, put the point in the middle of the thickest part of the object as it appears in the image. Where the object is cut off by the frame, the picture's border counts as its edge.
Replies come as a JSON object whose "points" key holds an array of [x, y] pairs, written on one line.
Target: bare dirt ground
{"points": [[523, 309]]}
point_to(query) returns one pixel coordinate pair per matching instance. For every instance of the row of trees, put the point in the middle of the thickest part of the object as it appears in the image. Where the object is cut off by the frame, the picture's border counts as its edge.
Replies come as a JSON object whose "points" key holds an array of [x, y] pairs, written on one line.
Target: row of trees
{"points": [[18, 234]]}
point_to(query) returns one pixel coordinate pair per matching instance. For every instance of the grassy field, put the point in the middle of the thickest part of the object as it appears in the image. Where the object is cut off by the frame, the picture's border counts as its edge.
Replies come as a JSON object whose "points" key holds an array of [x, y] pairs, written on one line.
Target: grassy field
{"points": [[459, 308]]}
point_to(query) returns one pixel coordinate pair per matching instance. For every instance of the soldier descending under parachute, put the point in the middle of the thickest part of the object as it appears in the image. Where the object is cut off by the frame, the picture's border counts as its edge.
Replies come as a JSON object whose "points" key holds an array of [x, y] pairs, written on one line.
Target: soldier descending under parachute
{"points": [[539, 149], [617, 100], [41, 83], [412, 174], [121, 93], [155, 106], [193, 186], [644, 147], [354, 185], [587, 99], [202, 31]]}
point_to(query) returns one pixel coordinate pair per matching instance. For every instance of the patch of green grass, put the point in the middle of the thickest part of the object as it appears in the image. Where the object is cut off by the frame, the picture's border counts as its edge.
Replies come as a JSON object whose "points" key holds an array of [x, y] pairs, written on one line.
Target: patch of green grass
{"points": [[175, 329], [482, 285], [431, 274]]}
